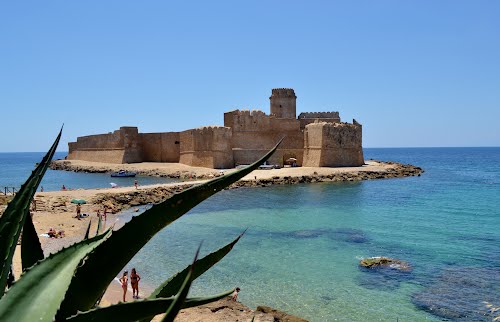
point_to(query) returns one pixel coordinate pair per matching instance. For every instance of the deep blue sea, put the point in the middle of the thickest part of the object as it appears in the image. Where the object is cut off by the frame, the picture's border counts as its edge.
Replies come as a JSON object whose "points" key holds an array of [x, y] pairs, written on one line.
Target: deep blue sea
{"points": [[304, 242]]}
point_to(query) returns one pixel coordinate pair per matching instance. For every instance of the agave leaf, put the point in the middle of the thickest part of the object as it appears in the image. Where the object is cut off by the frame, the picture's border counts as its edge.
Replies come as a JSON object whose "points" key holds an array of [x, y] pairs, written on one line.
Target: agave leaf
{"points": [[135, 234], [11, 278], [87, 232], [38, 294], [179, 299], [99, 223], [170, 286], [31, 250], [143, 309], [14, 216]]}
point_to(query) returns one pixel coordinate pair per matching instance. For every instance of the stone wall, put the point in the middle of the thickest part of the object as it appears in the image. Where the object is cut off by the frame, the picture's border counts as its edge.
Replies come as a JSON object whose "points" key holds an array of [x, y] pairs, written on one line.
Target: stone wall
{"points": [[120, 146], [311, 117], [160, 147], [132, 144], [208, 147], [98, 155], [333, 145], [254, 133]]}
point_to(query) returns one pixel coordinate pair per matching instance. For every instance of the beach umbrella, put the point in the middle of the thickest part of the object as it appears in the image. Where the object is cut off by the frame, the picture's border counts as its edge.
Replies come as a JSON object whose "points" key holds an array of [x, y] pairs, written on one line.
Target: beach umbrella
{"points": [[79, 201], [291, 159]]}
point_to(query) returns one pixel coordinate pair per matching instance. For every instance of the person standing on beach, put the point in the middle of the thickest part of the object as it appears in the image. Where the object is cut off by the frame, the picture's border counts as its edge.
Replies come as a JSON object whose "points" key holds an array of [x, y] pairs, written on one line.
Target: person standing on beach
{"points": [[78, 211], [105, 213], [136, 184], [124, 282], [134, 281]]}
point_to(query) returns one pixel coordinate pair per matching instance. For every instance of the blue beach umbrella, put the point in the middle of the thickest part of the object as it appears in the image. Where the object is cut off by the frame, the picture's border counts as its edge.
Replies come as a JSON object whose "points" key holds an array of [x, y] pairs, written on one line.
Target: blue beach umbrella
{"points": [[79, 201]]}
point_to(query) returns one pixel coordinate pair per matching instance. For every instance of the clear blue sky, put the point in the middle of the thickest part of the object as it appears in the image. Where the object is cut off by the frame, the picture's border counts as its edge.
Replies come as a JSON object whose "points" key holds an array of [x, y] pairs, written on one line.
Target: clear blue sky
{"points": [[414, 73]]}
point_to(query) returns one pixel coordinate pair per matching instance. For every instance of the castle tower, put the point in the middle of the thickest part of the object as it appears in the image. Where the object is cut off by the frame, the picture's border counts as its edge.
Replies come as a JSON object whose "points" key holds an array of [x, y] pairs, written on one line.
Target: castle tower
{"points": [[283, 103]]}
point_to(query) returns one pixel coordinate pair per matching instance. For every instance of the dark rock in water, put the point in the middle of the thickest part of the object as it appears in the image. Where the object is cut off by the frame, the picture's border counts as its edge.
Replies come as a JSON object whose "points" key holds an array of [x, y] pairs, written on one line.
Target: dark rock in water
{"points": [[462, 294], [349, 235], [385, 262], [308, 233], [385, 273], [279, 315], [327, 298]]}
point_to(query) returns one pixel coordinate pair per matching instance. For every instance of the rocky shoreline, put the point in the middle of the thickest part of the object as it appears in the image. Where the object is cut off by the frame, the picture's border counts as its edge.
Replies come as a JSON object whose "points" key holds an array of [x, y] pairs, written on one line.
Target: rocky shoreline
{"points": [[117, 199], [391, 170]]}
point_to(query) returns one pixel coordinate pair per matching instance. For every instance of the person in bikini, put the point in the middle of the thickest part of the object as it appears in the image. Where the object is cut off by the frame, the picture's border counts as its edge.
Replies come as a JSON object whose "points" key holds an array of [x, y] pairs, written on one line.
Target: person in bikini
{"points": [[124, 282], [134, 281]]}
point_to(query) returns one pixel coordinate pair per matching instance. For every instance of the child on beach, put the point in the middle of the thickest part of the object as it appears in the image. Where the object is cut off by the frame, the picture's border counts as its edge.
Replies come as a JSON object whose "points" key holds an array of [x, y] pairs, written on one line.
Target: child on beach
{"points": [[234, 296], [124, 282], [134, 281]]}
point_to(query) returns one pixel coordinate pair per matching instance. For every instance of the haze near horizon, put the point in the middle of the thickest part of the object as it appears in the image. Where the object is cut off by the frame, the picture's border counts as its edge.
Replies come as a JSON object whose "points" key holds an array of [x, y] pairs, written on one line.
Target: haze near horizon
{"points": [[415, 74]]}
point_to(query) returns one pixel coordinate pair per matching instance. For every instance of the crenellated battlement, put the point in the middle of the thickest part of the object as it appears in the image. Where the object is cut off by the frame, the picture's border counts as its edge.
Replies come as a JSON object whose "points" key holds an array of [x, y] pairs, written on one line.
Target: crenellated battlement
{"points": [[311, 117], [251, 113], [319, 115], [210, 128], [283, 92]]}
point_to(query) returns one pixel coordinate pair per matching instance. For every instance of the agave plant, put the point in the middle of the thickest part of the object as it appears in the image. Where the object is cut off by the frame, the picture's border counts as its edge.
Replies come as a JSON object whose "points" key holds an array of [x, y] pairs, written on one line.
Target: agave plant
{"points": [[55, 288]]}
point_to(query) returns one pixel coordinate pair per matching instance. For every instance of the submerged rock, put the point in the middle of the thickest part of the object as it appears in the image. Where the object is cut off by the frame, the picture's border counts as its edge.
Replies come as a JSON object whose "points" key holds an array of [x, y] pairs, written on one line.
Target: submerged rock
{"points": [[350, 235], [463, 294], [308, 233], [279, 315], [385, 262]]}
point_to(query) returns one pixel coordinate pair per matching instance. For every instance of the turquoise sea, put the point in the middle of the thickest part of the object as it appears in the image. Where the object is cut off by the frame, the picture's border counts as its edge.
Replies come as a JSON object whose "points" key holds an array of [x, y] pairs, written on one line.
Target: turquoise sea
{"points": [[303, 244]]}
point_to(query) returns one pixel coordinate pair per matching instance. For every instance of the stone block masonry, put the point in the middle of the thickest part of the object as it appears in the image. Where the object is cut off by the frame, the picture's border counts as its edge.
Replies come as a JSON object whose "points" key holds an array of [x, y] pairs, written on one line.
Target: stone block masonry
{"points": [[312, 139]]}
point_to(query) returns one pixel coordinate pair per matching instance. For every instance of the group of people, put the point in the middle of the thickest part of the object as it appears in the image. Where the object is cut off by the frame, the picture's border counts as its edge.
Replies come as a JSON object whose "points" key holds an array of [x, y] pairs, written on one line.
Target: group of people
{"points": [[134, 282], [104, 214], [55, 234]]}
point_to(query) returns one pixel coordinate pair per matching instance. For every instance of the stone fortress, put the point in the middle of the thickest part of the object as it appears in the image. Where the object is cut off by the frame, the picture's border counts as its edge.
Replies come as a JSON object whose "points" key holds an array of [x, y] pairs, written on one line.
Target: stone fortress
{"points": [[313, 139]]}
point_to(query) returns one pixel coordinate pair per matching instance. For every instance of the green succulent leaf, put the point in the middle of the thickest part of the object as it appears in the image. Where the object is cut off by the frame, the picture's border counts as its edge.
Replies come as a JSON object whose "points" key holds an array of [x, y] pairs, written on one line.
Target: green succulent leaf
{"points": [[135, 234], [87, 232], [143, 309], [181, 296], [31, 250], [12, 220], [37, 295], [170, 287], [99, 224]]}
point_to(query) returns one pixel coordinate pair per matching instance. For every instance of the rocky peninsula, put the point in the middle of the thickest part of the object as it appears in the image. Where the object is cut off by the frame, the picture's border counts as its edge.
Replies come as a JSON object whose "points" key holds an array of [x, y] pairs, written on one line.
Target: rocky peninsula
{"points": [[125, 197]]}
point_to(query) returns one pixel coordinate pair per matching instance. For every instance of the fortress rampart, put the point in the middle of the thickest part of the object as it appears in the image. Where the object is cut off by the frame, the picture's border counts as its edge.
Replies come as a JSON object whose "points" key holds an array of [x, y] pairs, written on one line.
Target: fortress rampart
{"points": [[208, 147], [311, 117], [312, 139], [333, 145]]}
